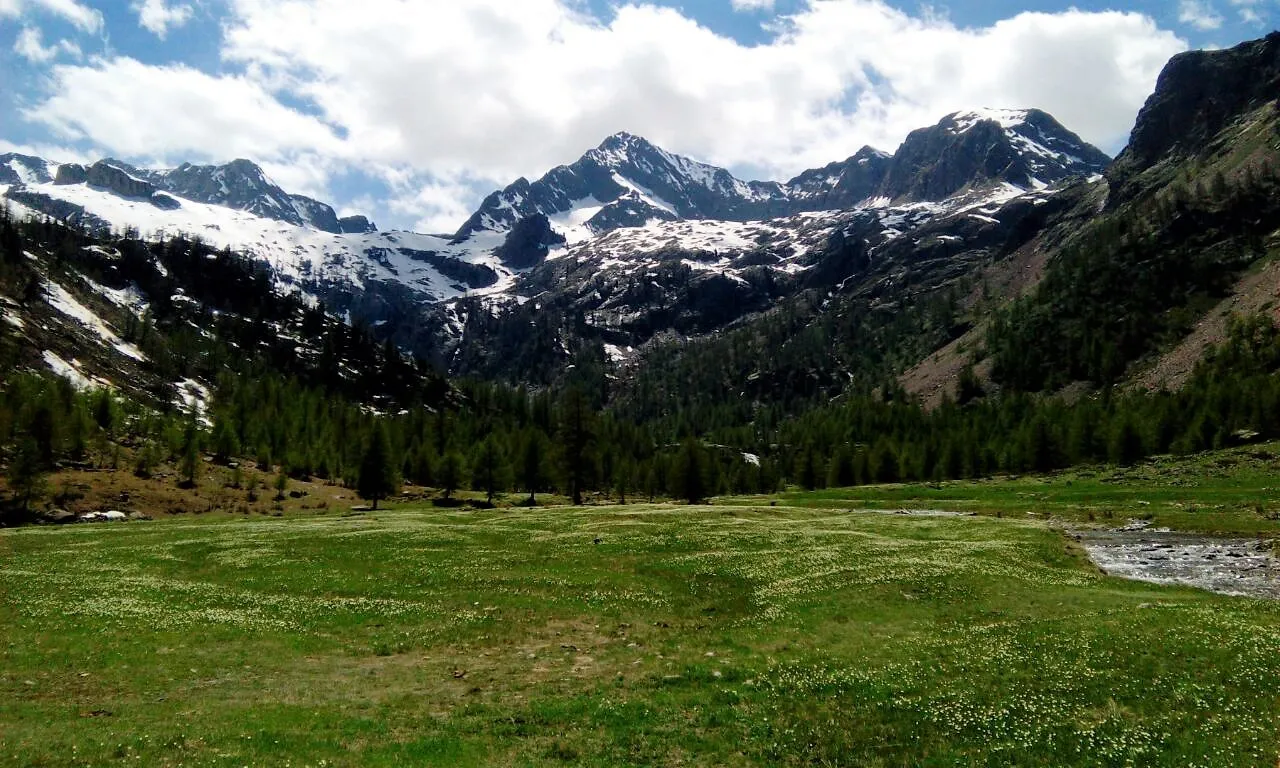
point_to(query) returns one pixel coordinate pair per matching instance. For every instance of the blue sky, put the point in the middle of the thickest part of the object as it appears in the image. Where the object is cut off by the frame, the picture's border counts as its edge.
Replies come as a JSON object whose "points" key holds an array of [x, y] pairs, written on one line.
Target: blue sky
{"points": [[412, 111]]}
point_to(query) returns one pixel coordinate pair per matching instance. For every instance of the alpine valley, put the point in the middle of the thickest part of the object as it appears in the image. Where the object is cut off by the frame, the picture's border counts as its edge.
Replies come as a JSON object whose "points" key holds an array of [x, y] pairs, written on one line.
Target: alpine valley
{"points": [[959, 455]]}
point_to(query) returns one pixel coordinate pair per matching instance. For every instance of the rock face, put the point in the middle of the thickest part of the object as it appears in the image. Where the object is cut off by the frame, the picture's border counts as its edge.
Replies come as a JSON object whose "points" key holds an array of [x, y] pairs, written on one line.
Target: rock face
{"points": [[104, 174], [1198, 94], [356, 225], [71, 173], [528, 243]]}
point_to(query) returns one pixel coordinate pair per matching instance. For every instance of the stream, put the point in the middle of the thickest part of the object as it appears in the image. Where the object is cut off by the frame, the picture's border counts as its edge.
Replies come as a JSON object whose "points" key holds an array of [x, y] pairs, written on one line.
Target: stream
{"points": [[1238, 566]]}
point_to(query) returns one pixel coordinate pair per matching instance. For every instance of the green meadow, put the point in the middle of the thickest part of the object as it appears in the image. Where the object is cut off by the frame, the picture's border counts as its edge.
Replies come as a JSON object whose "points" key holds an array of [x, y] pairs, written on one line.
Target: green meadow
{"points": [[810, 633]]}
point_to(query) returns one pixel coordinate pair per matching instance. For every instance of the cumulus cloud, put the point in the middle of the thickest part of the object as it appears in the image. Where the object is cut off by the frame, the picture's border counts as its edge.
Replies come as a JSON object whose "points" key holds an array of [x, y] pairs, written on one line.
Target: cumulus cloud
{"points": [[442, 98], [142, 111], [30, 46], [82, 16], [1199, 14], [157, 17]]}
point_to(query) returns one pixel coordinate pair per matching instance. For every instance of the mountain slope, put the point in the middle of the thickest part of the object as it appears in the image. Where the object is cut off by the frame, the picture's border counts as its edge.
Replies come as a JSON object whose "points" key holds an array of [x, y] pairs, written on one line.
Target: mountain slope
{"points": [[1192, 205]]}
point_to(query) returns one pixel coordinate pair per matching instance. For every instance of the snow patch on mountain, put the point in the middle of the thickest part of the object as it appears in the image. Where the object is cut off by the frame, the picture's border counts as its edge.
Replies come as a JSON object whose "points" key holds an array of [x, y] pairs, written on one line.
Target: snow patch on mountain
{"points": [[72, 373], [301, 255], [60, 299], [1007, 118]]}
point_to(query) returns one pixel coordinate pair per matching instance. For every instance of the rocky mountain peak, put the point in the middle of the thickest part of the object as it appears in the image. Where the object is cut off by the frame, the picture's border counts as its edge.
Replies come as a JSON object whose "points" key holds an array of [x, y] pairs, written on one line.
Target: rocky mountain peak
{"points": [[1026, 148], [1197, 95]]}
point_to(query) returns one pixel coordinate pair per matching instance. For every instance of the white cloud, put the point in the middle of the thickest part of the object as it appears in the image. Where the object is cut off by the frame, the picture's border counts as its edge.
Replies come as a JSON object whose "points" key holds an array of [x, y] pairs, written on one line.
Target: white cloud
{"points": [[82, 16], [30, 46], [1248, 10], [137, 110], [157, 17], [54, 153], [1199, 14], [445, 95], [752, 5]]}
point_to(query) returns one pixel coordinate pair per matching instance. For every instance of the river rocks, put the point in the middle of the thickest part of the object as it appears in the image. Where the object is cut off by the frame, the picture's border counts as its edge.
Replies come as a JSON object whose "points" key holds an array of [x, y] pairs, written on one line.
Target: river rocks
{"points": [[1229, 566]]}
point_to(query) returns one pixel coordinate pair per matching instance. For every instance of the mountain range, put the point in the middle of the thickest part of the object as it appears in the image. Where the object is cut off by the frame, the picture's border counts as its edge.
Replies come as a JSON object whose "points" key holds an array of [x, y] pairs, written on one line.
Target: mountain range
{"points": [[622, 208], [631, 248]]}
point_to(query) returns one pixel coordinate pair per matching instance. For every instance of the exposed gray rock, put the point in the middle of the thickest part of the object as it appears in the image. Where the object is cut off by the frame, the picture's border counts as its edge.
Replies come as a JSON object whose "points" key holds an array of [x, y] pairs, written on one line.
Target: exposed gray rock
{"points": [[356, 225], [1198, 94], [527, 244], [107, 176], [71, 173]]}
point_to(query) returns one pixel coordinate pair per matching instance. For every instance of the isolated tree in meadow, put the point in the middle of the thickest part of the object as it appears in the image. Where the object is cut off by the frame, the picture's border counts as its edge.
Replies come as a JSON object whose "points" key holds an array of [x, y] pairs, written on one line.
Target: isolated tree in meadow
{"points": [[377, 479], [450, 473], [282, 484], [489, 468], [532, 464], [577, 437], [690, 472]]}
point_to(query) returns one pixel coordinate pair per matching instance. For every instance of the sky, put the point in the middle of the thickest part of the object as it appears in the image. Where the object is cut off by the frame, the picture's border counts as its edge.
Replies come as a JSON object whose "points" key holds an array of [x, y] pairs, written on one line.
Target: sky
{"points": [[410, 111]]}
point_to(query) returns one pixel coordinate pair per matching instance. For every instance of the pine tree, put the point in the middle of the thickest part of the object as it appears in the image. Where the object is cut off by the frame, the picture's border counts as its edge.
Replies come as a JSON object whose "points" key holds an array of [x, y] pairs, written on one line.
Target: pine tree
{"points": [[1126, 444], [577, 437], [282, 484], [807, 471], [450, 473], [532, 463], [689, 470], [622, 479], [27, 474], [377, 479], [226, 445], [190, 452], [840, 472], [489, 468]]}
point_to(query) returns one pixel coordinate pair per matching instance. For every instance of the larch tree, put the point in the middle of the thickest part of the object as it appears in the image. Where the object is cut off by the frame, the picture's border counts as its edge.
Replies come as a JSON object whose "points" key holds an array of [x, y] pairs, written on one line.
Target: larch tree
{"points": [[377, 478]]}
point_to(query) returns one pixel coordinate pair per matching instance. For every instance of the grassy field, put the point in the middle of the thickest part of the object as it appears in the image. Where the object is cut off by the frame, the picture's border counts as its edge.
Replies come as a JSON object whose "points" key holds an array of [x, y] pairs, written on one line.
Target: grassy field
{"points": [[1231, 491], [660, 635]]}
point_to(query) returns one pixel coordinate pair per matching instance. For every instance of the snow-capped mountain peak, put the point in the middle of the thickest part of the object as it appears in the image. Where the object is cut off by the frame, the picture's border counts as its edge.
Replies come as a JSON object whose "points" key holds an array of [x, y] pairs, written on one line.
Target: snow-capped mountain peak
{"points": [[961, 122]]}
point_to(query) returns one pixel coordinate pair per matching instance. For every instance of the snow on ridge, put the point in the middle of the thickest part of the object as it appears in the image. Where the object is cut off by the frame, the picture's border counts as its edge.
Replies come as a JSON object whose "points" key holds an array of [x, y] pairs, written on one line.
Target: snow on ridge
{"points": [[645, 194], [298, 255]]}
